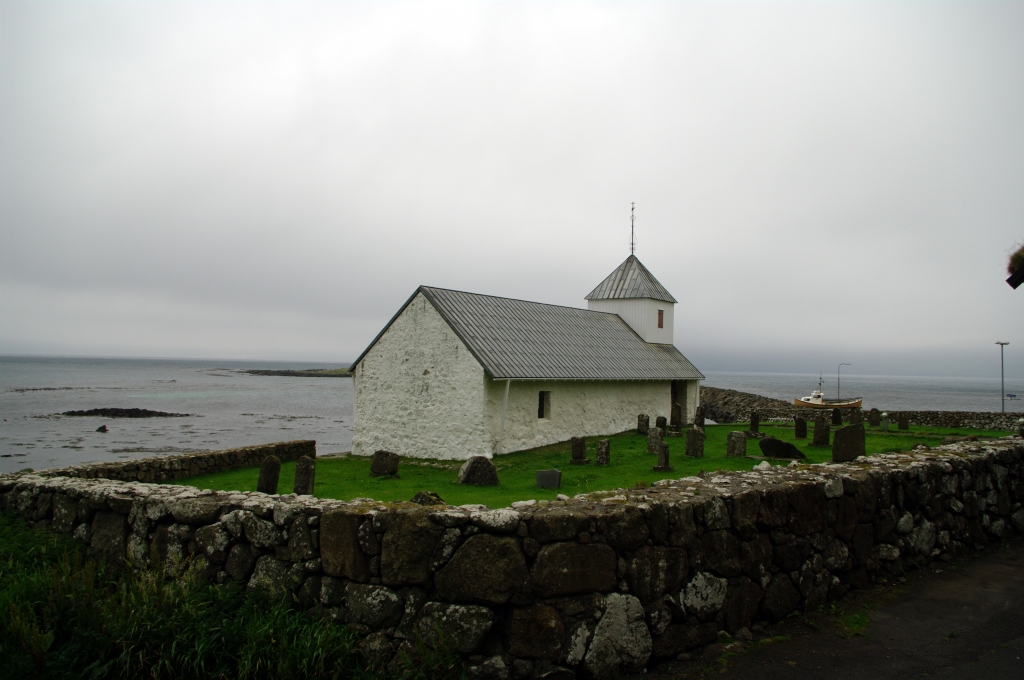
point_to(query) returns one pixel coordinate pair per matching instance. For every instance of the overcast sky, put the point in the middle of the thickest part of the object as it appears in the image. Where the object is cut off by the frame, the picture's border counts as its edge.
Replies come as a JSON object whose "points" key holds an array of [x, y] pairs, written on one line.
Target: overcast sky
{"points": [[815, 183]]}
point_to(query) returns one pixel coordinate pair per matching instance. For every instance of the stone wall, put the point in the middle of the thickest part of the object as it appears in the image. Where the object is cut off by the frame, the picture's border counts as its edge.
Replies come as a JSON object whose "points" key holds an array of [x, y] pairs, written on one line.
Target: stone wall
{"points": [[170, 468], [591, 587]]}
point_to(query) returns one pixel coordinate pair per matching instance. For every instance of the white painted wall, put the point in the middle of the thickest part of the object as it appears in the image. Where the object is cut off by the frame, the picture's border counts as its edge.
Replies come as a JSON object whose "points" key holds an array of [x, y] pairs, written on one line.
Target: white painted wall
{"points": [[419, 392], [578, 408], [642, 316]]}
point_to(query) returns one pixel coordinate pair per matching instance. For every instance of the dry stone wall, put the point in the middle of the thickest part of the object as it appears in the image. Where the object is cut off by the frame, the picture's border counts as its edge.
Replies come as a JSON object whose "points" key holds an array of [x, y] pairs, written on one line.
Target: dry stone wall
{"points": [[592, 587], [170, 468]]}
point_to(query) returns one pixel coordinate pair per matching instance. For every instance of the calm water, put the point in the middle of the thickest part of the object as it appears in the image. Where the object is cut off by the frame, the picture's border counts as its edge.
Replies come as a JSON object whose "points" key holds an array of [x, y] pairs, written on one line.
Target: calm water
{"points": [[231, 408]]}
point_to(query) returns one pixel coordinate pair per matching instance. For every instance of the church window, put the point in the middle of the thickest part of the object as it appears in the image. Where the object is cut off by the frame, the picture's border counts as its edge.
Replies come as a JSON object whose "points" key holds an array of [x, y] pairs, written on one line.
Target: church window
{"points": [[661, 318], [544, 405]]}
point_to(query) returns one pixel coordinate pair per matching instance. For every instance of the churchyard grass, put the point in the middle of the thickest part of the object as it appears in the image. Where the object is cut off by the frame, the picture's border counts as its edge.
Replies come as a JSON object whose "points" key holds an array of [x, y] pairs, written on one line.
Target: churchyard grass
{"points": [[349, 477]]}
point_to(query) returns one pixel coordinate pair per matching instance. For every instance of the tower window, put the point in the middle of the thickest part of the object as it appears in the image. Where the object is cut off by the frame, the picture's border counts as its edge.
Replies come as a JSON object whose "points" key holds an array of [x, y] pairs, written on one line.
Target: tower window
{"points": [[544, 405], [661, 318]]}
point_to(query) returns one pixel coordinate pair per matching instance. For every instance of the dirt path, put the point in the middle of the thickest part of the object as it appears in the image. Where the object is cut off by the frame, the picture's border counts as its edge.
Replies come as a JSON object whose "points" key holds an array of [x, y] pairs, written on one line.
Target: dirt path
{"points": [[963, 619]]}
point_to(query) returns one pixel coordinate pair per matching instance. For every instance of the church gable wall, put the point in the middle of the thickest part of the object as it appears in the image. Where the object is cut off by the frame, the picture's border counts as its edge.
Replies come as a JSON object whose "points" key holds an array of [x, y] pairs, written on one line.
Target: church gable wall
{"points": [[419, 391]]}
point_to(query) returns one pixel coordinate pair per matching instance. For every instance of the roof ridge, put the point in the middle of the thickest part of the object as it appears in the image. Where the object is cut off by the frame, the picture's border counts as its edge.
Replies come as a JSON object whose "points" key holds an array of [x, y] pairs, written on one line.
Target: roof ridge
{"points": [[630, 280]]}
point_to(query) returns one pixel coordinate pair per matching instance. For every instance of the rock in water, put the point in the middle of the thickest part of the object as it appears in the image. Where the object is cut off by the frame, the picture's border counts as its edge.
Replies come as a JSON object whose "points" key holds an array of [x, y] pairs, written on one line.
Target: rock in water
{"points": [[384, 464], [427, 498], [643, 423], [755, 422], [661, 423], [305, 476], [736, 445], [579, 451], [848, 443], [101, 428], [874, 415], [695, 442], [799, 428], [776, 448], [478, 471], [903, 421], [837, 417], [821, 431], [270, 471], [603, 452]]}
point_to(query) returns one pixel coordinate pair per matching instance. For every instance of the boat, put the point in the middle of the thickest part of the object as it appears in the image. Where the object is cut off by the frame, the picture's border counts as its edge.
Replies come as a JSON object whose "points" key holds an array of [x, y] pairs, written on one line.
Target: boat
{"points": [[818, 400]]}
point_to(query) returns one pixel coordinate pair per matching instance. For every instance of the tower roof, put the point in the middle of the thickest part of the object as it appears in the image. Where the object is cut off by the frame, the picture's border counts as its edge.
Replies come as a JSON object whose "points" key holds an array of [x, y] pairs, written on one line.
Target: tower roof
{"points": [[630, 280]]}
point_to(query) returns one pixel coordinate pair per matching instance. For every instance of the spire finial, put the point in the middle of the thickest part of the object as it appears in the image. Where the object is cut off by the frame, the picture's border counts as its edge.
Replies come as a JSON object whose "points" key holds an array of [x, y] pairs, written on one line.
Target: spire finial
{"points": [[632, 230]]}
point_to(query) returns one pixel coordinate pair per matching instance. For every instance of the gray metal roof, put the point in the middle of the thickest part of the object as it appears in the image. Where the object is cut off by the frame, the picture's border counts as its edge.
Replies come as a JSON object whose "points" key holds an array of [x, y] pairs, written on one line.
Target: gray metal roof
{"points": [[630, 280], [519, 340]]}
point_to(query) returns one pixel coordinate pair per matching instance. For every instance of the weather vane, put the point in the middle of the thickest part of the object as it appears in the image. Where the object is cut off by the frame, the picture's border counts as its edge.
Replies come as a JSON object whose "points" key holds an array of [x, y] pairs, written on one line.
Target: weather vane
{"points": [[632, 229]]}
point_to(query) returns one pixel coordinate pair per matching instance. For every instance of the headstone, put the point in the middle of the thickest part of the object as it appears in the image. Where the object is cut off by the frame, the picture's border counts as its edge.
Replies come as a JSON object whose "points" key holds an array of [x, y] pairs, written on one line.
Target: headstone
{"points": [[270, 471], [384, 464], [799, 428], [1020, 427], [873, 417], [856, 416], [736, 445], [903, 421], [427, 498], [604, 450], [654, 441], [821, 431], [305, 476], [549, 479], [699, 416], [776, 448], [695, 442], [643, 423], [883, 422], [755, 422], [663, 465], [579, 451], [848, 443], [478, 471], [661, 423], [837, 417]]}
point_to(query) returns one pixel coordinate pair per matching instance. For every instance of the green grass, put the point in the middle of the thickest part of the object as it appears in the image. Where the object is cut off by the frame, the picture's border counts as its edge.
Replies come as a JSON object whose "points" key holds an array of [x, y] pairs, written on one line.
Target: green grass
{"points": [[62, 615], [349, 477]]}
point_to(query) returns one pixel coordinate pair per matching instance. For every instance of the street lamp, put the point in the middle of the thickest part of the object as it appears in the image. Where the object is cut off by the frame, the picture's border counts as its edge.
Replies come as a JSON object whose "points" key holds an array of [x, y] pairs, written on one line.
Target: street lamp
{"points": [[839, 369], [1002, 375]]}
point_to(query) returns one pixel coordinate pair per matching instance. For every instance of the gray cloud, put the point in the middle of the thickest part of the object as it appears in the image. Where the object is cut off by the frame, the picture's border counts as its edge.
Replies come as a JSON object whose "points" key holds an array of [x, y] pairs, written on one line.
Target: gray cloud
{"points": [[813, 182]]}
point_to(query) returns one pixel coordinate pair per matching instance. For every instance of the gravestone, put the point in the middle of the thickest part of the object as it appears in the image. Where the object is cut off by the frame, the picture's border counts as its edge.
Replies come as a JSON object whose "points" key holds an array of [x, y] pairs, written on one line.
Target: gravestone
{"points": [[873, 417], [270, 471], [699, 416], [695, 442], [799, 428], [384, 464], [821, 431], [603, 452], [305, 476], [837, 417], [755, 422], [654, 441], [848, 443], [643, 423], [549, 479], [661, 423], [856, 416], [478, 471], [903, 421], [579, 451], [663, 465], [776, 448], [883, 422], [1020, 427], [427, 498], [736, 445]]}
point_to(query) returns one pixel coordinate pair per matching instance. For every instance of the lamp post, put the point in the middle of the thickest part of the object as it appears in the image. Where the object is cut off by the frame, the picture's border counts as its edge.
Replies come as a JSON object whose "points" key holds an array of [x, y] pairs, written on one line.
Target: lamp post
{"points": [[1002, 376], [839, 370]]}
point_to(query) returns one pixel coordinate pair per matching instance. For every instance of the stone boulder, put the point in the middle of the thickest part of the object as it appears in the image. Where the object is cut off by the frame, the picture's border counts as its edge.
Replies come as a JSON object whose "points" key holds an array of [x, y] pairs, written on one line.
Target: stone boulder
{"points": [[272, 578], [780, 598], [656, 570], [848, 443], [460, 627], [776, 448], [340, 553], [372, 605], [704, 595], [384, 464], [213, 541], [108, 537], [621, 644], [427, 498], [478, 471], [485, 569], [408, 546], [535, 632], [572, 568]]}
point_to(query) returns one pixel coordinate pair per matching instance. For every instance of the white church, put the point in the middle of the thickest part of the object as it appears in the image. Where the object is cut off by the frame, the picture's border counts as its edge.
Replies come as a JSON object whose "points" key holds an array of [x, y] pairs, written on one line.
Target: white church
{"points": [[455, 374]]}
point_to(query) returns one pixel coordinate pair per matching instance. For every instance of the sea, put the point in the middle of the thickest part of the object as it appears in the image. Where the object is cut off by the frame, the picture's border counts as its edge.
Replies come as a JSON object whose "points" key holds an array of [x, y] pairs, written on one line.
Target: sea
{"points": [[227, 407]]}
